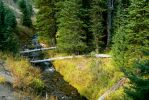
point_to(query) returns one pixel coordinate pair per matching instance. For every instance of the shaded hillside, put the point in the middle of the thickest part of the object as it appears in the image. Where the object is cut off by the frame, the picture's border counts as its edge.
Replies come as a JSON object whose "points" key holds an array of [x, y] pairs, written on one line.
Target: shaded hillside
{"points": [[13, 5]]}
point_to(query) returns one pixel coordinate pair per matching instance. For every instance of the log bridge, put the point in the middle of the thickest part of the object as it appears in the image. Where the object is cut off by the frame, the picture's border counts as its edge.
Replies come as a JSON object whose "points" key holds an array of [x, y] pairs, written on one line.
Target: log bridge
{"points": [[61, 58], [35, 50], [70, 57]]}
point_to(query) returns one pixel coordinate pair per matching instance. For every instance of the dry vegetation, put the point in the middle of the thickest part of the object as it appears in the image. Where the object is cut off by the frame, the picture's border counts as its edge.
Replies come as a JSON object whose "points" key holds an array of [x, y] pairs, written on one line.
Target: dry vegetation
{"points": [[91, 76], [2, 79], [27, 78]]}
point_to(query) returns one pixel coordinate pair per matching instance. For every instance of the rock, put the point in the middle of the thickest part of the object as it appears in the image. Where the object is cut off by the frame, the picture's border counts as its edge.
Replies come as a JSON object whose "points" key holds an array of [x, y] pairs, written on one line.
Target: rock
{"points": [[27, 98]]}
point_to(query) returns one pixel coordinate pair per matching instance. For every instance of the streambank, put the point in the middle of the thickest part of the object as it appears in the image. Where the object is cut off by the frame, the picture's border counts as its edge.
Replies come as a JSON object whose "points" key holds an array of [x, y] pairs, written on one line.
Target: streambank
{"points": [[54, 84], [7, 92]]}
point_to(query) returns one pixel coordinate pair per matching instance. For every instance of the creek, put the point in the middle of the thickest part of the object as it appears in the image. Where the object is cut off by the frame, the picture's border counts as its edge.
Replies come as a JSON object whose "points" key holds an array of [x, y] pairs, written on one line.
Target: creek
{"points": [[55, 85]]}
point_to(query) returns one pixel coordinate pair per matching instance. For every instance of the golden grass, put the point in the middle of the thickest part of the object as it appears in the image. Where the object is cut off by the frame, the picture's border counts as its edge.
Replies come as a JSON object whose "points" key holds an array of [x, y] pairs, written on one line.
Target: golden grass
{"points": [[118, 95], [91, 76], [2, 79], [27, 77]]}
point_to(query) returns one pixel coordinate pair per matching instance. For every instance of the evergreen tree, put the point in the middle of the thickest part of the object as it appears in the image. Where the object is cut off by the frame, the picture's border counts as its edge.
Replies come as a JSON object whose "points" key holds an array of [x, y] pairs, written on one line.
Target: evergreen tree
{"points": [[110, 8], [70, 35], [2, 11], [84, 16], [139, 81], [131, 38], [26, 9], [97, 27], [46, 21], [120, 41], [8, 41], [132, 29]]}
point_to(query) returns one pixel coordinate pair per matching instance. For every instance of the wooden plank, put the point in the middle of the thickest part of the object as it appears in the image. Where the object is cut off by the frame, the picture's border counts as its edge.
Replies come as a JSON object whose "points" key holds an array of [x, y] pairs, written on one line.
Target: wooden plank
{"points": [[40, 49], [70, 57]]}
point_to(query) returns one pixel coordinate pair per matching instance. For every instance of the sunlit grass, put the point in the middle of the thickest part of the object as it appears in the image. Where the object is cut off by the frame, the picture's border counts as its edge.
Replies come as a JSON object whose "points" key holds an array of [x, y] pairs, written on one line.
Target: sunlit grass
{"points": [[118, 95], [2, 79], [27, 77], [91, 76]]}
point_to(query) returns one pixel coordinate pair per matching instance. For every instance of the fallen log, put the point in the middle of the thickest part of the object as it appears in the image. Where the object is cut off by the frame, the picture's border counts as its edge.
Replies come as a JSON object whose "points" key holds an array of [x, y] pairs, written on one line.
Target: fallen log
{"points": [[34, 50], [102, 56], [57, 58], [113, 89], [70, 57]]}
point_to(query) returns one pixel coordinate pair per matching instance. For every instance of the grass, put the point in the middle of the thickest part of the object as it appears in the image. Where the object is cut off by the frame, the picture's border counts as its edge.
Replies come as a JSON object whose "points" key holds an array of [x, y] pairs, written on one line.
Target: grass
{"points": [[118, 95], [2, 79], [91, 76], [27, 77]]}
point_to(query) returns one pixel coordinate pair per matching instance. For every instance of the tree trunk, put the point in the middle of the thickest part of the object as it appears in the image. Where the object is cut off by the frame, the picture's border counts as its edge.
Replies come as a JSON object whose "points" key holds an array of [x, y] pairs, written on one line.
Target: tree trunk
{"points": [[109, 21], [97, 44]]}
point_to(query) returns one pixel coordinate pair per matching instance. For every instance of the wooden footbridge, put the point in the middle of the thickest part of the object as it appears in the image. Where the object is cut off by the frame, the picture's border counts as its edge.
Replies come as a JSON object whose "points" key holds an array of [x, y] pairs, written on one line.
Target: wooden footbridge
{"points": [[60, 58]]}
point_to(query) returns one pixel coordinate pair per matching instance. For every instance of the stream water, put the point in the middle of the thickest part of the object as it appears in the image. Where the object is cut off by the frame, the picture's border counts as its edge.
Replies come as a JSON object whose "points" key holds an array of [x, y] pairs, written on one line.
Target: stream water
{"points": [[55, 85]]}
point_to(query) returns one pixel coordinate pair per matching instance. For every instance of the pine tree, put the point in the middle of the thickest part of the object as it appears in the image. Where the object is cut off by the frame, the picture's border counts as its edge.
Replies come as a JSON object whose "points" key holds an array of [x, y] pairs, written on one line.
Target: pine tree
{"points": [[26, 9], [139, 81], [2, 11], [131, 38], [84, 16], [133, 28], [110, 8], [46, 21], [10, 19], [120, 42], [70, 35], [8, 41], [97, 27]]}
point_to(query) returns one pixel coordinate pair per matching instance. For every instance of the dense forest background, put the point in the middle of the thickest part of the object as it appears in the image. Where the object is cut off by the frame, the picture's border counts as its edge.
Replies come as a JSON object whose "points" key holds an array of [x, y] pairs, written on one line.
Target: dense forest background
{"points": [[116, 27]]}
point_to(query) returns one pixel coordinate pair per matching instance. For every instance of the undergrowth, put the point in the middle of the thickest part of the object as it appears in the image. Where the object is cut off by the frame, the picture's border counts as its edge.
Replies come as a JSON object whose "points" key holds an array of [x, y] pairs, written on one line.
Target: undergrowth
{"points": [[27, 78], [91, 76], [2, 79]]}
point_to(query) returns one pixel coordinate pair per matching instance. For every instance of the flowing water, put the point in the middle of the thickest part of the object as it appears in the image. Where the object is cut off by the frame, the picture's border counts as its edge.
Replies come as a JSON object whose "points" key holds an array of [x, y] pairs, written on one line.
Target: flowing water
{"points": [[55, 85]]}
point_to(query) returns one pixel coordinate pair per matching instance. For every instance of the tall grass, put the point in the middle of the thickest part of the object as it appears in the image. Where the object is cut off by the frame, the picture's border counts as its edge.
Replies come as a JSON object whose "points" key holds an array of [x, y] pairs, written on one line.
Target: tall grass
{"points": [[2, 79], [91, 76], [118, 95], [27, 78]]}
